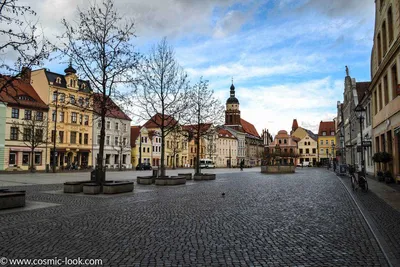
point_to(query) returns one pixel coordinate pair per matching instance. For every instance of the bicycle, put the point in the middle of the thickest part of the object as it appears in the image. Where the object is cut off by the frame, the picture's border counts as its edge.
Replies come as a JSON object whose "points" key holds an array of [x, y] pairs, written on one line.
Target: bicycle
{"points": [[358, 182]]}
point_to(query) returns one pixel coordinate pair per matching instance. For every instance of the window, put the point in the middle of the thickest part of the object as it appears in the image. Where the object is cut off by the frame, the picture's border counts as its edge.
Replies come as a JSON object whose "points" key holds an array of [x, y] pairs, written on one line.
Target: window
{"points": [[12, 159], [314, 150], [108, 140], [284, 141], [86, 138], [107, 158], [86, 119], [14, 133], [390, 24], [116, 140], [62, 98], [53, 134], [108, 125], [321, 142], [73, 138], [39, 135], [386, 90], [15, 113], [28, 114], [125, 128], [384, 39], [53, 116], [332, 142], [124, 141], [74, 117], [72, 99], [80, 119], [148, 150], [58, 80], [99, 124], [39, 115], [394, 81], [123, 159], [332, 133], [144, 150], [98, 139], [378, 41], [27, 134], [307, 151], [55, 94], [80, 138], [80, 101], [25, 158], [38, 158], [61, 136], [301, 151], [380, 100], [62, 116], [324, 133], [116, 159], [117, 126], [326, 142]]}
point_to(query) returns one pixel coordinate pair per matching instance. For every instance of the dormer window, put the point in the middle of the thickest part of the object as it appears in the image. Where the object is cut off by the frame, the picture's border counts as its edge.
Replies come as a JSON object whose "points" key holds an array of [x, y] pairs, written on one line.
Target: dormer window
{"points": [[324, 133], [332, 133], [70, 83], [58, 80], [83, 86]]}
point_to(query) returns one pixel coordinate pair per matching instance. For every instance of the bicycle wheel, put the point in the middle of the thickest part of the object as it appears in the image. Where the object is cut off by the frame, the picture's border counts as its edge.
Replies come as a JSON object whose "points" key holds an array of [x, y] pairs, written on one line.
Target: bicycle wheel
{"points": [[365, 185], [353, 186]]}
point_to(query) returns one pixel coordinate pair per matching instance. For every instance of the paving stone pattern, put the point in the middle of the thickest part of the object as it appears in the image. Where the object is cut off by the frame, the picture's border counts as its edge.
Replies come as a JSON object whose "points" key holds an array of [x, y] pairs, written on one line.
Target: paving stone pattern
{"points": [[386, 218], [302, 219]]}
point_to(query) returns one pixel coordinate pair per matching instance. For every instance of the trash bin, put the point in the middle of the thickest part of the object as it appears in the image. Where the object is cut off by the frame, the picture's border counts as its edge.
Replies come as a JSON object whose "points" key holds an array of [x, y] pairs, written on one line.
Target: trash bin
{"points": [[93, 175]]}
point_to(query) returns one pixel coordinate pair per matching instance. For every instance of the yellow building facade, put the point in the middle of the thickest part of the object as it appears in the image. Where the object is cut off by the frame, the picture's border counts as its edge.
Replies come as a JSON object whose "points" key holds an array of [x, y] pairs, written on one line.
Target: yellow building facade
{"points": [[326, 142], [70, 122]]}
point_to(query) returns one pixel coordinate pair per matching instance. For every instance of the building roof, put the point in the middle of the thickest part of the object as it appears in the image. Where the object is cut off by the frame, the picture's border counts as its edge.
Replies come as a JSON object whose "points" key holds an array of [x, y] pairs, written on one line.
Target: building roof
{"points": [[362, 88], [113, 111], [204, 127], [135, 132], [20, 92], [249, 128], [232, 99], [326, 126], [156, 120], [223, 133], [312, 135], [52, 78]]}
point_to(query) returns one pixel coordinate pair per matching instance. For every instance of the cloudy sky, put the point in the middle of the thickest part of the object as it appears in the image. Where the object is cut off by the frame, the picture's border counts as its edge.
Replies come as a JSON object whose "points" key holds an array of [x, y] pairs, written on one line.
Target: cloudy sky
{"points": [[287, 57]]}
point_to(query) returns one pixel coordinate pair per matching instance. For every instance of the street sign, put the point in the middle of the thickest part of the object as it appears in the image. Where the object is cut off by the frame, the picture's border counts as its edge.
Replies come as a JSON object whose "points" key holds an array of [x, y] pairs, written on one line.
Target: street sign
{"points": [[367, 143]]}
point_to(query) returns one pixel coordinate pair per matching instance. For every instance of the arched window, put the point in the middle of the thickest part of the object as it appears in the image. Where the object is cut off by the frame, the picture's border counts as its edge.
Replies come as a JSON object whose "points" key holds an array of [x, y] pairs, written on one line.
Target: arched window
{"points": [[390, 24], [58, 80], [70, 83]]}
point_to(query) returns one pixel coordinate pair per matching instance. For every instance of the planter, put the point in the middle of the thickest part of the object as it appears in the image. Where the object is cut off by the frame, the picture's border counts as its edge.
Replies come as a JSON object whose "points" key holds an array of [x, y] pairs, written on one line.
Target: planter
{"points": [[278, 169], [173, 180], [117, 187], [91, 189], [204, 177], [188, 175], [145, 180], [74, 187], [11, 199]]}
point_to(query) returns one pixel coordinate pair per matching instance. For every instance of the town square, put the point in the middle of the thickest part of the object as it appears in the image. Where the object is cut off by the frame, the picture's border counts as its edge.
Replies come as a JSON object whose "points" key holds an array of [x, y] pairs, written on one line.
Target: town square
{"points": [[200, 133]]}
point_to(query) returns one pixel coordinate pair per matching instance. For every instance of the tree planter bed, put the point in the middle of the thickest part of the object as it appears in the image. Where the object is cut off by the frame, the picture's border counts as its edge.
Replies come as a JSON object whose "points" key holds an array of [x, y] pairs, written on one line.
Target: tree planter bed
{"points": [[172, 180], [91, 188], [204, 177], [116, 187], [145, 179], [74, 187], [11, 199], [187, 175]]}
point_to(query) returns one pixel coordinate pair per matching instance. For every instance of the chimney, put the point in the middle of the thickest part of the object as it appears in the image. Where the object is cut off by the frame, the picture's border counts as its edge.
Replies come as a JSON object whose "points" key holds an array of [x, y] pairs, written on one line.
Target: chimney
{"points": [[26, 74]]}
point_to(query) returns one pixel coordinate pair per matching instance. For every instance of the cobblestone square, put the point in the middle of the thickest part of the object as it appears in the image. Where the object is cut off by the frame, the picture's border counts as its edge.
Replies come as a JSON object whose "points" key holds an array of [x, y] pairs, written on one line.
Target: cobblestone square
{"points": [[302, 219]]}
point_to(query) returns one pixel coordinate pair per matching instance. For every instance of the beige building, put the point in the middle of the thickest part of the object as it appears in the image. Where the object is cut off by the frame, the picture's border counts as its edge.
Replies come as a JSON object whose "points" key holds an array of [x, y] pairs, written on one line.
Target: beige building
{"points": [[307, 144], [226, 149], [67, 97], [385, 85], [141, 145], [25, 126]]}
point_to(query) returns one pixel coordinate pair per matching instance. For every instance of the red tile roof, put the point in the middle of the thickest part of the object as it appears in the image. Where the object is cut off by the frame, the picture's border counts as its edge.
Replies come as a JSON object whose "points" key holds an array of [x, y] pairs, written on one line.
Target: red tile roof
{"points": [[225, 133], [21, 93], [249, 128], [155, 121], [295, 125], [326, 126], [113, 111], [203, 127], [135, 132]]}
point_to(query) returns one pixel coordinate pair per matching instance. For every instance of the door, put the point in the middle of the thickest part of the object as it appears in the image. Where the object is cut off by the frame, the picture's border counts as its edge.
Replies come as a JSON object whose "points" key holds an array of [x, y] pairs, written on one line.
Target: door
{"points": [[12, 159]]}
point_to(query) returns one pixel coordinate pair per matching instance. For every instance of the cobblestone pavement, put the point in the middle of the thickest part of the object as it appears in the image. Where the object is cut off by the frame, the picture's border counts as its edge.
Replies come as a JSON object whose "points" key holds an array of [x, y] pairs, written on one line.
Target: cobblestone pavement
{"points": [[386, 218], [302, 219]]}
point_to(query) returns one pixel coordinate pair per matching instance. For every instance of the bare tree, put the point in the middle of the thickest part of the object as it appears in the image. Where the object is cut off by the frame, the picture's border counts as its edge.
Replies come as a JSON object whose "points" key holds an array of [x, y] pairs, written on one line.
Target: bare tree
{"points": [[100, 44], [22, 45], [211, 140], [206, 110], [34, 132], [163, 92]]}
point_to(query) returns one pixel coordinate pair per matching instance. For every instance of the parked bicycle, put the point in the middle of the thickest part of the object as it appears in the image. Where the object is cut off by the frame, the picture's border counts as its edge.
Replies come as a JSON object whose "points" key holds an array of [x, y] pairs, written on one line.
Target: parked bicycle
{"points": [[359, 180]]}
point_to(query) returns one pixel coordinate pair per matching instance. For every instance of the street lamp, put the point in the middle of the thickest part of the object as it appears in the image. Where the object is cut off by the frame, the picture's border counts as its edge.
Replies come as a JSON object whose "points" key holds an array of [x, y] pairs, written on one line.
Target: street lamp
{"points": [[360, 115], [341, 138], [55, 133]]}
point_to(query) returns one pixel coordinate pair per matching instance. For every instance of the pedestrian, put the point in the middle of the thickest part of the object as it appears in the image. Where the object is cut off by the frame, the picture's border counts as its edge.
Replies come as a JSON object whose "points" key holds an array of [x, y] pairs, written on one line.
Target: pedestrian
{"points": [[241, 164]]}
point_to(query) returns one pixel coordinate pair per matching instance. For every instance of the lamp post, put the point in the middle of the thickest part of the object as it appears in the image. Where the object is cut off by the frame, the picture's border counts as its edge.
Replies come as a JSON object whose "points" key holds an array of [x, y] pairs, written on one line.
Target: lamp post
{"points": [[55, 133], [341, 138], [359, 112]]}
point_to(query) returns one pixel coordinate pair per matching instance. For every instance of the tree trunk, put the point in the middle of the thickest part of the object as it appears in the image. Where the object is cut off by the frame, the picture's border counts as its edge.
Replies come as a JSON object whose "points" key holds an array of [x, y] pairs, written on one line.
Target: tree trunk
{"points": [[32, 159], [162, 151]]}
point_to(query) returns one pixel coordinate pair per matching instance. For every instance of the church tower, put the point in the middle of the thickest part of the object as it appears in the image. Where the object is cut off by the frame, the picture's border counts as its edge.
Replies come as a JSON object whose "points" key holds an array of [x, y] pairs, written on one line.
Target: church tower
{"points": [[232, 112]]}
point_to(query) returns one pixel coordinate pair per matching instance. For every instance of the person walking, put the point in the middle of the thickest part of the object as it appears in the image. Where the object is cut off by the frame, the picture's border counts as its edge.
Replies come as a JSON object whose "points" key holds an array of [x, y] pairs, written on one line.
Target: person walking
{"points": [[241, 164]]}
